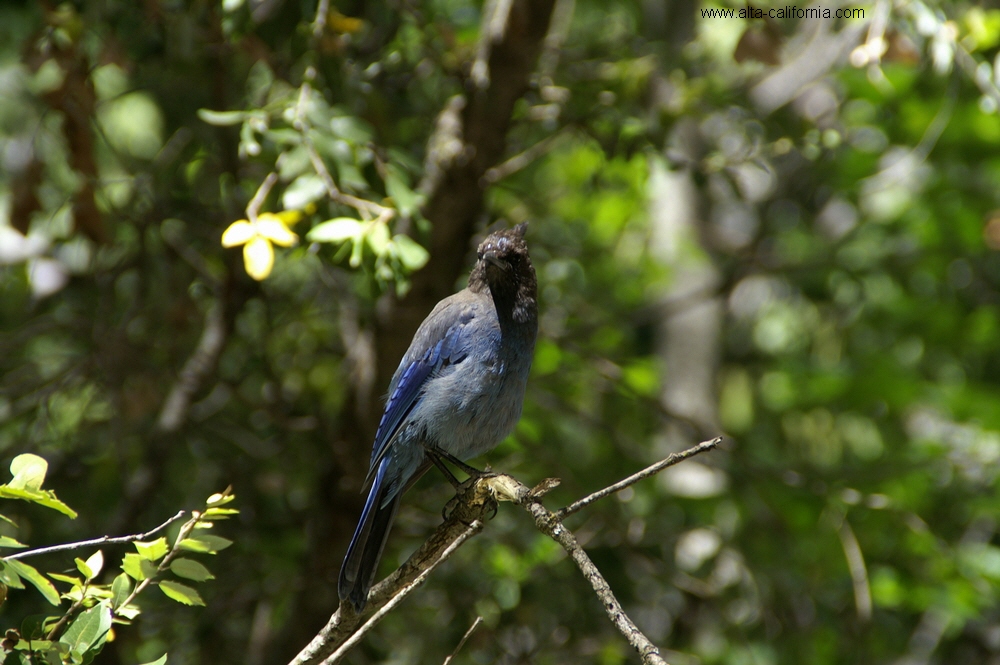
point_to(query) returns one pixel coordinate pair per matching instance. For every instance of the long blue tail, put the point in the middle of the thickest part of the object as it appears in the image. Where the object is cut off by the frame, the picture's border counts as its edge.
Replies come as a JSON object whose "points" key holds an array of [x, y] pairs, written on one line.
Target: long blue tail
{"points": [[365, 550]]}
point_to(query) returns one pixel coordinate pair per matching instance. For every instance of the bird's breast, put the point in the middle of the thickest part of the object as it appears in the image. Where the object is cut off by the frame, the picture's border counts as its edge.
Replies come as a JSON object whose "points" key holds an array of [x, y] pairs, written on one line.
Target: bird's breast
{"points": [[469, 410]]}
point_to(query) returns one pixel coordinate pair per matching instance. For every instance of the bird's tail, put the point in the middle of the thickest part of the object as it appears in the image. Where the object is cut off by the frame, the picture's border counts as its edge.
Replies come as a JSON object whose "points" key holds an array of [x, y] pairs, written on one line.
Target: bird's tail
{"points": [[365, 550]]}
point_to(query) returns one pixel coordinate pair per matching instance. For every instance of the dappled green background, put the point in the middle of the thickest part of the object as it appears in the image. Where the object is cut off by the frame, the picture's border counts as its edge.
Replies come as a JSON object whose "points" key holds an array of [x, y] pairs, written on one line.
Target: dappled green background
{"points": [[817, 279]]}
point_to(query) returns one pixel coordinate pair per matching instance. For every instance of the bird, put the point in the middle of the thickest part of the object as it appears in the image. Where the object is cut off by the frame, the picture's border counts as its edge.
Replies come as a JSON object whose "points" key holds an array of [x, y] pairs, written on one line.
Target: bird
{"points": [[458, 391]]}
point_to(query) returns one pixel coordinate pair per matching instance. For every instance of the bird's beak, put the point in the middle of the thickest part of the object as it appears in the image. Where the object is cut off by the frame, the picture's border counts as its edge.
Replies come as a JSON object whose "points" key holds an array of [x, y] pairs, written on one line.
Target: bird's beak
{"points": [[493, 259]]}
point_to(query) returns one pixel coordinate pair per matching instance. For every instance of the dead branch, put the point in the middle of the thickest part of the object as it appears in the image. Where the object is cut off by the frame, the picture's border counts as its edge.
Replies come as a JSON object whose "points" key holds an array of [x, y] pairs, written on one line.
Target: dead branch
{"points": [[651, 470], [465, 521], [196, 369], [476, 498]]}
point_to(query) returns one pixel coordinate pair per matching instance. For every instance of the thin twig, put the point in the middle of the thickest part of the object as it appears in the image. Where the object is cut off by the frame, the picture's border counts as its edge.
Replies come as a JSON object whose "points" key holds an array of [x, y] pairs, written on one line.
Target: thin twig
{"points": [[319, 23], [401, 594], [301, 124], [670, 460], [196, 369], [549, 524], [103, 540], [903, 167], [495, 16], [520, 160], [258, 198], [562, 20], [185, 531], [476, 498], [856, 565], [75, 607], [461, 642], [463, 523]]}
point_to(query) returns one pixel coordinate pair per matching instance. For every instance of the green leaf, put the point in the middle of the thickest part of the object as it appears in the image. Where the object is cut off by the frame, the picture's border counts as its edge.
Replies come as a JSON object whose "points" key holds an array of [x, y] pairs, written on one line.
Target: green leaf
{"points": [[28, 471], [190, 569], [37, 580], [378, 238], [45, 498], [68, 579], [84, 569], [89, 630], [219, 513], [221, 118], [95, 562], [411, 254], [9, 576], [260, 78], [338, 229], [7, 541], [159, 661], [34, 626], [137, 567], [220, 499], [304, 190], [407, 201], [120, 590], [205, 543], [351, 129], [153, 551], [181, 593]]}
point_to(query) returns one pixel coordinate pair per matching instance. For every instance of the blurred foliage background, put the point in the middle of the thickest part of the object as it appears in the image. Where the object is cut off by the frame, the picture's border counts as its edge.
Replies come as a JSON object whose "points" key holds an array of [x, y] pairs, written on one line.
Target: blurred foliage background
{"points": [[785, 230]]}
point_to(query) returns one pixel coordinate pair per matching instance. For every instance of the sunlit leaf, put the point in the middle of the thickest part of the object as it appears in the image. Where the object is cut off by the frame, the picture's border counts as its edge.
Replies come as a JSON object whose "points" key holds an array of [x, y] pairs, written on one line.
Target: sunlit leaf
{"points": [[221, 118], [153, 551], [162, 660], [378, 238], [181, 593], [338, 229], [138, 567], [37, 580], [412, 255], [190, 569], [205, 543], [28, 471], [304, 190]]}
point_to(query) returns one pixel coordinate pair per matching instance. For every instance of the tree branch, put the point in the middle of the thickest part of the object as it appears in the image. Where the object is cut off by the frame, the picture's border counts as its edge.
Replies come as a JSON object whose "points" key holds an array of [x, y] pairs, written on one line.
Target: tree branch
{"points": [[461, 642], [548, 523], [103, 540], [475, 498], [401, 594], [475, 502], [198, 366], [651, 470]]}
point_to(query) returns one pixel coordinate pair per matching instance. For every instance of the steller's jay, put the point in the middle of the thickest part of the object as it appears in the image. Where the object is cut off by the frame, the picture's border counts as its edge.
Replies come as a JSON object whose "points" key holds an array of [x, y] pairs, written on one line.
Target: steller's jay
{"points": [[456, 394]]}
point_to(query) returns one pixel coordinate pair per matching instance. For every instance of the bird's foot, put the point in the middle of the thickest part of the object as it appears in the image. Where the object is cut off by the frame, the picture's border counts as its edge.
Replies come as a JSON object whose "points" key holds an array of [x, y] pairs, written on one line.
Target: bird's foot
{"points": [[438, 457], [480, 493]]}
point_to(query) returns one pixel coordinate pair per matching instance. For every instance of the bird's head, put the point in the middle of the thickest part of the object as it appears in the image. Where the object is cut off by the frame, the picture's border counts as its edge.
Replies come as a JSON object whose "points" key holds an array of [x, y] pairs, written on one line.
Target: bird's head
{"points": [[503, 254], [504, 267]]}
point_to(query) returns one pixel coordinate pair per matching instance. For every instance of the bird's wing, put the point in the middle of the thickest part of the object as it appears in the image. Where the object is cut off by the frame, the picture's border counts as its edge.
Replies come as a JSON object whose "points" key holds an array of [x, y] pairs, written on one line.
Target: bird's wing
{"points": [[440, 341]]}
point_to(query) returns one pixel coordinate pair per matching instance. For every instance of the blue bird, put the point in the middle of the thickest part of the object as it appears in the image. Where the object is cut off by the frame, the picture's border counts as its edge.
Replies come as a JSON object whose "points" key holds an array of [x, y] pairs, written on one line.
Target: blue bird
{"points": [[456, 394]]}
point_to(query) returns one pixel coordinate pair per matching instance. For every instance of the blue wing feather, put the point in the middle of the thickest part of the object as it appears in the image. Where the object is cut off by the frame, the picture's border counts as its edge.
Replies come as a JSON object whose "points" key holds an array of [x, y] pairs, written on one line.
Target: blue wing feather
{"points": [[449, 350]]}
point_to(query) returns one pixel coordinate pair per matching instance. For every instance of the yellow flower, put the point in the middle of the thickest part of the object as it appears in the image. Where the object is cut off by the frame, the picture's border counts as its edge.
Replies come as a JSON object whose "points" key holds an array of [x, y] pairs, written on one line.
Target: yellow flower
{"points": [[258, 254]]}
